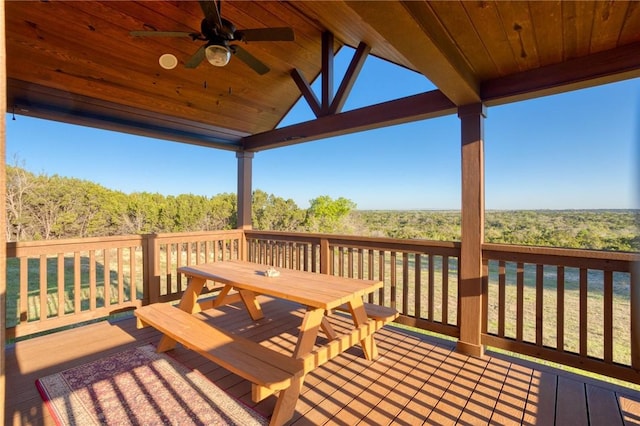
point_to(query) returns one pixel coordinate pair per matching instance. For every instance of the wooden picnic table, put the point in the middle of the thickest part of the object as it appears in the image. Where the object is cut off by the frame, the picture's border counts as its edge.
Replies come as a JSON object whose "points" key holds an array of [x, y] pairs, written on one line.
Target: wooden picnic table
{"points": [[319, 293]]}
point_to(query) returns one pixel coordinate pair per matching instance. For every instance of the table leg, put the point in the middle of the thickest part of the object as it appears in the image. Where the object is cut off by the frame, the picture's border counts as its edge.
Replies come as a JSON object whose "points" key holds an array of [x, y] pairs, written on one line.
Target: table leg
{"points": [[252, 304], [308, 332], [359, 314], [328, 329], [286, 403], [188, 303], [221, 296]]}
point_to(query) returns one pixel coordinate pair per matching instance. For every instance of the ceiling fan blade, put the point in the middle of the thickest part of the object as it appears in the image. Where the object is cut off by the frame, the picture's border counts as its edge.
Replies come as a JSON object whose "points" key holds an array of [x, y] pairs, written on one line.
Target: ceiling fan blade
{"points": [[211, 11], [267, 34], [197, 57], [246, 57], [161, 34]]}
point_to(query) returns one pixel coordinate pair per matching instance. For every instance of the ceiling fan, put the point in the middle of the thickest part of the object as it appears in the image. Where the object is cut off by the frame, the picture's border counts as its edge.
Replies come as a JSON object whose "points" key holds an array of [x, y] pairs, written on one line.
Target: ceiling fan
{"points": [[219, 33]]}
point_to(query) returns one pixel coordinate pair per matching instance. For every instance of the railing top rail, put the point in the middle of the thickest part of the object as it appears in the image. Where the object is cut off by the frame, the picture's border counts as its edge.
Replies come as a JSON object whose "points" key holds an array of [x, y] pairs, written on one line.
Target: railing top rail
{"points": [[26, 248], [563, 252], [357, 241], [580, 258], [198, 234]]}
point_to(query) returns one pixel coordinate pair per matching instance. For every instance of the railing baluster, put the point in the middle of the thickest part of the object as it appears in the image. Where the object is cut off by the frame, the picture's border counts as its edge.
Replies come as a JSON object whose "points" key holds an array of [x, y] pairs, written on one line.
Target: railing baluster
{"points": [[77, 280], [539, 303], [106, 260], [133, 274], [635, 315], [502, 285], [445, 290], [292, 258], [207, 251], [485, 295], [431, 295], [560, 308], [184, 258], [305, 257], [43, 287], [61, 290], [520, 301], [328, 260], [417, 284], [608, 316], [583, 312], [24, 289], [394, 281], [120, 275], [405, 283], [92, 280], [167, 266], [381, 276]]}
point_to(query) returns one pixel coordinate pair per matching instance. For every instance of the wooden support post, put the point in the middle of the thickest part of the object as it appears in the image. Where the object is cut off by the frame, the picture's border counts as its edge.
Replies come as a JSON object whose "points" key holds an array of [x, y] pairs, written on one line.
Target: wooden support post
{"points": [[3, 216], [325, 253], [151, 268], [635, 315], [471, 271], [244, 197]]}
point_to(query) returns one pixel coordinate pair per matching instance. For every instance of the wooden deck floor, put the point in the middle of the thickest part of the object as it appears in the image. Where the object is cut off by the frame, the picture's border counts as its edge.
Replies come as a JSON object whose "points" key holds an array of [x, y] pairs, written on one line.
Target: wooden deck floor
{"points": [[416, 380]]}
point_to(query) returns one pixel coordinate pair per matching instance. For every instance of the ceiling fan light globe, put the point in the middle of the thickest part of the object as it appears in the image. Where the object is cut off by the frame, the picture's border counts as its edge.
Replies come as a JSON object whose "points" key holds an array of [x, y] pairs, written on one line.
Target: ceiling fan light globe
{"points": [[217, 55]]}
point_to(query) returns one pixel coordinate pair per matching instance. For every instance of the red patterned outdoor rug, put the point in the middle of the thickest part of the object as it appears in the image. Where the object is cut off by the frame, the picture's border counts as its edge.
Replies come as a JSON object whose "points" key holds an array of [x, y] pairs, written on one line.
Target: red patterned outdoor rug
{"points": [[140, 387]]}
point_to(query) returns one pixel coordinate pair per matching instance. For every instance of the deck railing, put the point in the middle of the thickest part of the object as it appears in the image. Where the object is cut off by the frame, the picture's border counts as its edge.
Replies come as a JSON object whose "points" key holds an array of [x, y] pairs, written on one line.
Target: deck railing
{"points": [[58, 283], [168, 252], [576, 307], [420, 277]]}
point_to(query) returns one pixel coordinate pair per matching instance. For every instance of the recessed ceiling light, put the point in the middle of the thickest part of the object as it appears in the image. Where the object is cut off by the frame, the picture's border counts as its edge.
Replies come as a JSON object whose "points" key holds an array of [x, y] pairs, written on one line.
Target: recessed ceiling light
{"points": [[168, 61]]}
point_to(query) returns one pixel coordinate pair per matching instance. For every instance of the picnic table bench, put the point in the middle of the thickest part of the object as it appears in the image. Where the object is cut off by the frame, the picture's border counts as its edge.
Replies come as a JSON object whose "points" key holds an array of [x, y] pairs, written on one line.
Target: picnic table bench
{"points": [[268, 371]]}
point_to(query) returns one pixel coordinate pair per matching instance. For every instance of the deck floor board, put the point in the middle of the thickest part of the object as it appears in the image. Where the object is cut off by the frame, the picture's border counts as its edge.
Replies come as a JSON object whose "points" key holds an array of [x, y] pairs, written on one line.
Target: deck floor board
{"points": [[416, 379]]}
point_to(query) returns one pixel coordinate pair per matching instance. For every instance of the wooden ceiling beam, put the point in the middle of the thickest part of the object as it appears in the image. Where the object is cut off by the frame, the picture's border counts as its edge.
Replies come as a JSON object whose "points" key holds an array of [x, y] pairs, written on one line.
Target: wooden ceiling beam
{"points": [[599, 68], [327, 71], [414, 30], [307, 92], [350, 77], [331, 104], [58, 105], [413, 108]]}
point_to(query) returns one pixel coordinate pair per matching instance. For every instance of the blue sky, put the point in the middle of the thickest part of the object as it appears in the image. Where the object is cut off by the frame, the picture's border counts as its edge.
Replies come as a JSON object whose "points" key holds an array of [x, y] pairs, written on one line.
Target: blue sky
{"points": [[578, 150]]}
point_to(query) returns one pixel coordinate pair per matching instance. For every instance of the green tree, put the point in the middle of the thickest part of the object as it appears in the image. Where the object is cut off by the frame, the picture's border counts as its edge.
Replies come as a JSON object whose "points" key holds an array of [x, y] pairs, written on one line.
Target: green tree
{"points": [[142, 214], [328, 215], [275, 213], [221, 213]]}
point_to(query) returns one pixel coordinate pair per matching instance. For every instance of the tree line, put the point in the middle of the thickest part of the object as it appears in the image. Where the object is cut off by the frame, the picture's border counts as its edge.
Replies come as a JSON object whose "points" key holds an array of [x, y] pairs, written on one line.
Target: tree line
{"points": [[53, 207], [42, 207], [613, 230]]}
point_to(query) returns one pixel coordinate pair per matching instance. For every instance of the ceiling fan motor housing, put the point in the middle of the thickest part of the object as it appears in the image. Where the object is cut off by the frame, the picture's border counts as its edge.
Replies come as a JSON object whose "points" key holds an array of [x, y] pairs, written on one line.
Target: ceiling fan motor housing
{"points": [[214, 32]]}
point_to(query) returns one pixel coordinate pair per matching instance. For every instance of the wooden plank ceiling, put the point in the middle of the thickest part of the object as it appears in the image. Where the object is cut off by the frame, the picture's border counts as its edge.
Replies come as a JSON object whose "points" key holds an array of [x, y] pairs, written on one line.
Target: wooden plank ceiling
{"points": [[77, 62]]}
